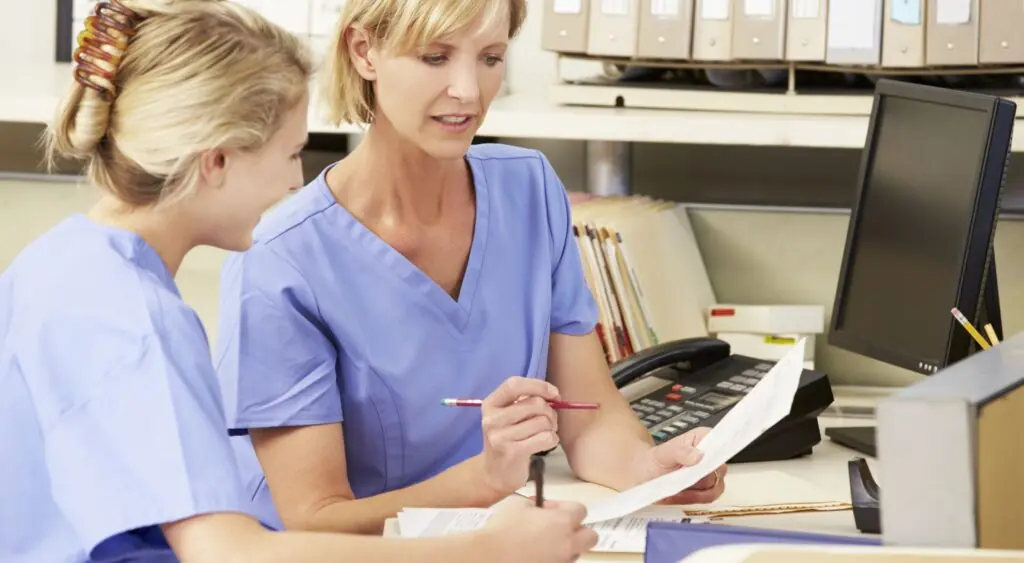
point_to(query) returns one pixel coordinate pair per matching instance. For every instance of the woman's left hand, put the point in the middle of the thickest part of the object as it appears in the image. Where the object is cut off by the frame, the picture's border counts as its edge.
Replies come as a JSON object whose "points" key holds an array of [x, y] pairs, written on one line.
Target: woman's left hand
{"points": [[680, 452]]}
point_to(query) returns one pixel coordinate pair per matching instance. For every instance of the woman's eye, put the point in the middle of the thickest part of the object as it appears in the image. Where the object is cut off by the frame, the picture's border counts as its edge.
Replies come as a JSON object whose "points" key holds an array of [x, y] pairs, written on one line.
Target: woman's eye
{"points": [[493, 60], [433, 59]]}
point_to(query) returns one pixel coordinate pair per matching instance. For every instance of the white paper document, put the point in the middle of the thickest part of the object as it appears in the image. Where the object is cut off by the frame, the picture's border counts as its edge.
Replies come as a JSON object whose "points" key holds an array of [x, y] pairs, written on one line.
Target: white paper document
{"points": [[765, 404], [851, 24], [620, 535]]}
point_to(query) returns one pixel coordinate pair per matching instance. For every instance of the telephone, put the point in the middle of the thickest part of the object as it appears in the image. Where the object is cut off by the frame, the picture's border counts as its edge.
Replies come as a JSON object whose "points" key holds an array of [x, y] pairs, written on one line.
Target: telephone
{"points": [[702, 381]]}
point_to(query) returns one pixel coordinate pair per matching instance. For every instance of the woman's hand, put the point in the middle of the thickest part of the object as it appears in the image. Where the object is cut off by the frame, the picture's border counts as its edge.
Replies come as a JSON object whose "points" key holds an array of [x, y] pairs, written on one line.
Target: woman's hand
{"points": [[517, 423], [523, 534], [680, 452]]}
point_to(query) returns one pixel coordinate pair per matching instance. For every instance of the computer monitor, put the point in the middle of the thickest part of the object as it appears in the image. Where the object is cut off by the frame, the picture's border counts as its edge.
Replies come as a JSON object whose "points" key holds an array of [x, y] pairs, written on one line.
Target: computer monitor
{"points": [[921, 229]]}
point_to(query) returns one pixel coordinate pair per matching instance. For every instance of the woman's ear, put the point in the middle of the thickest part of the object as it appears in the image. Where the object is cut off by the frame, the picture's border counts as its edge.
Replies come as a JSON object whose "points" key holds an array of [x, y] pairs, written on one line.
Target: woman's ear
{"points": [[213, 167], [357, 41]]}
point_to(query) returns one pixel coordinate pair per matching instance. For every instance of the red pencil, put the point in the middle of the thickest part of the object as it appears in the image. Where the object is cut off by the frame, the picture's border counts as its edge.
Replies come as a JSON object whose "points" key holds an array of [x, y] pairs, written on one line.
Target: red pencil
{"points": [[557, 405]]}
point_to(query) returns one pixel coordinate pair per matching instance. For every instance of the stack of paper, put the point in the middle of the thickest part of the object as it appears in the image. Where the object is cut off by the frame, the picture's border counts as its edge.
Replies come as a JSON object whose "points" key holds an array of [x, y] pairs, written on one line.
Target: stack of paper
{"points": [[644, 268], [621, 519], [619, 535]]}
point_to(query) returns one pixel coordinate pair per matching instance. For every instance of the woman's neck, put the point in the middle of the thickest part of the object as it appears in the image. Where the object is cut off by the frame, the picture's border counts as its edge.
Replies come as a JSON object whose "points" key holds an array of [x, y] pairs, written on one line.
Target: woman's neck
{"points": [[389, 179], [163, 231]]}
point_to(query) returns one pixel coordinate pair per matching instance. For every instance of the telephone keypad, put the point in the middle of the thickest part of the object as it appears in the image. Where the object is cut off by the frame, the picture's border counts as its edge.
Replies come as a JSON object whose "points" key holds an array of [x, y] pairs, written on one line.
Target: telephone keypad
{"points": [[682, 406]]}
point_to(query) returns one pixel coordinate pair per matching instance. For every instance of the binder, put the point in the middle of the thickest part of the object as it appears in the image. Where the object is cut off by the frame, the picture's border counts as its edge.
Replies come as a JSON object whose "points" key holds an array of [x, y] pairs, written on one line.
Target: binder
{"points": [[951, 35], [903, 29], [854, 34], [1002, 32], [614, 25], [759, 30], [666, 29], [805, 30], [712, 30], [565, 26], [644, 268], [669, 542]]}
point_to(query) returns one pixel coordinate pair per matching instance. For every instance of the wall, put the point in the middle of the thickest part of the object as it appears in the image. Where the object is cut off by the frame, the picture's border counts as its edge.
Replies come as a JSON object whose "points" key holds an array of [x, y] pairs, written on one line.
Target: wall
{"points": [[753, 255]]}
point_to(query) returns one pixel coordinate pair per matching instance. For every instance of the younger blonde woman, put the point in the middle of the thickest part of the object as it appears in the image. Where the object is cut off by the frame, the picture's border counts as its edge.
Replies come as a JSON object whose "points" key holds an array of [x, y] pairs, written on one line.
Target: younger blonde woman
{"points": [[191, 116]]}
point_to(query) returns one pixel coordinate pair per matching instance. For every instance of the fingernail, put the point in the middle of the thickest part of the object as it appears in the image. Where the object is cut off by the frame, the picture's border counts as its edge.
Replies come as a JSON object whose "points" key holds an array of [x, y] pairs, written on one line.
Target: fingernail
{"points": [[552, 389]]}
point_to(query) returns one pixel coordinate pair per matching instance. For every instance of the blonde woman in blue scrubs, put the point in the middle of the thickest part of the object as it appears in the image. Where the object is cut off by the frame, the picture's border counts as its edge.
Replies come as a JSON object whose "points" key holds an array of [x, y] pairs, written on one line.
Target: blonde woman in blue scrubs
{"points": [[417, 268], [191, 117]]}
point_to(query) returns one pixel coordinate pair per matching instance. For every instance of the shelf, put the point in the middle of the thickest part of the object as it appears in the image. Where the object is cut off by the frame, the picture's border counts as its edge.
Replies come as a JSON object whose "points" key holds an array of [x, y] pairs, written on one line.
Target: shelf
{"points": [[33, 96]]}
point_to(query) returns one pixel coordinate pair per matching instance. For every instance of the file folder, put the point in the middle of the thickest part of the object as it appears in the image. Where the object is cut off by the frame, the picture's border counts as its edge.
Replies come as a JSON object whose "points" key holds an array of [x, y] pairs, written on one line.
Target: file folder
{"points": [[951, 36], [805, 30], [1002, 32], [614, 25], [903, 29], [666, 29], [565, 26], [759, 30], [670, 542], [854, 34], [712, 30]]}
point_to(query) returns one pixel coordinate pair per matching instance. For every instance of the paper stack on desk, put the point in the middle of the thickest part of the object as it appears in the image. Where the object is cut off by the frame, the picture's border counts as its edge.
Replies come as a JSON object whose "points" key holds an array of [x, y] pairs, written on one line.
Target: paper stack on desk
{"points": [[618, 535], [621, 519]]}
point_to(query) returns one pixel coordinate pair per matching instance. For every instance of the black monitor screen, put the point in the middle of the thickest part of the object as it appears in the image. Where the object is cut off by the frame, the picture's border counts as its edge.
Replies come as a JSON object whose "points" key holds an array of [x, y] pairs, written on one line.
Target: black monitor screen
{"points": [[914, 220]]}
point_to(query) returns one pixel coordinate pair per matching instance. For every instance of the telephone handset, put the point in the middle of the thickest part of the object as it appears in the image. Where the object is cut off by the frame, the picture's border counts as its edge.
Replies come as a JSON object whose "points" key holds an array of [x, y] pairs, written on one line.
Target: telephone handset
{"points": [[702, 381]]}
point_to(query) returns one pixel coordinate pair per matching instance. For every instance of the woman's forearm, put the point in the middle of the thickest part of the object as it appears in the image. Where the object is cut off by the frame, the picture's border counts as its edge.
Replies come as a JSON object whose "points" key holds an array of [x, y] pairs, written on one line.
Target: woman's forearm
{"points": [[462, 485], [608, 451], [234, 538]]}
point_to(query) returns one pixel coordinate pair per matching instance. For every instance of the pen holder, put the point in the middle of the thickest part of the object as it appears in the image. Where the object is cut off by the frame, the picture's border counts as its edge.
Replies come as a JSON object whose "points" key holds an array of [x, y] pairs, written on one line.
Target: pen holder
{"points": [[865, 496]]}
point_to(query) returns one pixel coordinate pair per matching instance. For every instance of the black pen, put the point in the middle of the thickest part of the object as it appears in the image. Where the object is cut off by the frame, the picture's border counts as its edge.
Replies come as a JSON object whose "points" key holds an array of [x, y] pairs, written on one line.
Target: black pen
{"points": [[537, 475]]}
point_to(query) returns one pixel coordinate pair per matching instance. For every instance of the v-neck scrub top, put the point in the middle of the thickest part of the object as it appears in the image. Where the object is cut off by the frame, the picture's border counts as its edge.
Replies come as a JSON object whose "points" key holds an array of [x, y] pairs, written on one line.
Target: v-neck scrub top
{"points": [[323, 322]]}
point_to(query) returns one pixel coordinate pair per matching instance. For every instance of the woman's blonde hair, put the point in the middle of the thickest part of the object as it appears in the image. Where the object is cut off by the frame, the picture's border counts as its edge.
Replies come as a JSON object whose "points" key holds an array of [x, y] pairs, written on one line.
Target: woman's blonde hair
{"points": [[399, 26], [196, 75]]}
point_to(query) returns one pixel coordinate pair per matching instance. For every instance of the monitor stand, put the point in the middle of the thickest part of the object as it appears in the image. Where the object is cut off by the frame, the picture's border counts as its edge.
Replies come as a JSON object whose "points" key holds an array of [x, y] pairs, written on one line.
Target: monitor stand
{"points": [[862, 438]]}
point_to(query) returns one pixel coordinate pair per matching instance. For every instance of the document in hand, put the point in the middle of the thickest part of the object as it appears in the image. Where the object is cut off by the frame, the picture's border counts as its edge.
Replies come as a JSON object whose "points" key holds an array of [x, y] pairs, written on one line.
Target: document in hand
{"points": [[763, 406]]}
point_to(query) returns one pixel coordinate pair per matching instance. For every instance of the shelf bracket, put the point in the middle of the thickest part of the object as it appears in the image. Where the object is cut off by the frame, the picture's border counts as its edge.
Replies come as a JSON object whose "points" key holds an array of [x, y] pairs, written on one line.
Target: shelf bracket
{"points": [[609, 168]]}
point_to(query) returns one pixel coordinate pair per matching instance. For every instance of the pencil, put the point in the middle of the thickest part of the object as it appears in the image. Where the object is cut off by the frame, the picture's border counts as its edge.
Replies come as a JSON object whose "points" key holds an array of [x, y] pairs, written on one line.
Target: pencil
{"points": [[557, 405], [537, 475], [970, 328], [991, 332]]}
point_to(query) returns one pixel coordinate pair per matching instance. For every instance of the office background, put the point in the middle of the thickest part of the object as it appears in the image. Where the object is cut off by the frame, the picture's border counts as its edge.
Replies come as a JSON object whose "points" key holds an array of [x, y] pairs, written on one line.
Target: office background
{"points": [[770, 221]]}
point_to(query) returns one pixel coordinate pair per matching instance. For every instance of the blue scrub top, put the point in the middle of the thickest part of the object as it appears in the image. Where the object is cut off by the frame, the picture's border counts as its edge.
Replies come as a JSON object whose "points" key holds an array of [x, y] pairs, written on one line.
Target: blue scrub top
{"points": [[111, 419], [323, 322]]}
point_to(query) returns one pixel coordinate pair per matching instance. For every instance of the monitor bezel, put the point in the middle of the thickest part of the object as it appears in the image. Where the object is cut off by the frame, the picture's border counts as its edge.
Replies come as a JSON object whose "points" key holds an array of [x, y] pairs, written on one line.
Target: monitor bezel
{"points": [[977, 250]]}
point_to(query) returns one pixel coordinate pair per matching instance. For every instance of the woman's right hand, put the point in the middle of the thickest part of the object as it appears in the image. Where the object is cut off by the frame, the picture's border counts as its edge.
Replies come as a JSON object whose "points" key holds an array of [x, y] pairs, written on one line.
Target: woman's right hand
{"points": [[522, 533], [517, 423]]}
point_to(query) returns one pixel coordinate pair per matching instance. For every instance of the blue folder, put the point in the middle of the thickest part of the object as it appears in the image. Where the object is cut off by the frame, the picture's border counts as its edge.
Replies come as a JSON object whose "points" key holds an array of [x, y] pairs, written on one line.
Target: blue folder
{"points": [[668, 542]]}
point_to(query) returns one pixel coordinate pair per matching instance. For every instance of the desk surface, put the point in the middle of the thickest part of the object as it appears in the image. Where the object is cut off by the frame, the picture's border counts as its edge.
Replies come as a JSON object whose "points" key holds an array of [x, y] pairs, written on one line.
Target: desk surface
{"points": [[807, 479], [821, 476]]}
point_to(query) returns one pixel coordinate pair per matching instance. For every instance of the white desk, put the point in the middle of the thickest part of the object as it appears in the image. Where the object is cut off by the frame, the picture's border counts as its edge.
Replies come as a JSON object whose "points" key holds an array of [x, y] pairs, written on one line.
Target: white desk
{"points": [[824, 471]]}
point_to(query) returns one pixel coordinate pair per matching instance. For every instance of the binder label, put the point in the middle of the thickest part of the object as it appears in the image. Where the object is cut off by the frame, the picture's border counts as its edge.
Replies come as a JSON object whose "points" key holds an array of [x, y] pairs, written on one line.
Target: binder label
{"points": [[665, 8], [906, 12], [953, 12], [714, 9], [806, 9], [615, 7], [568, 6], [758, 8]]}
